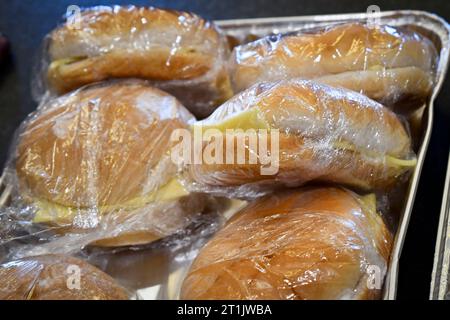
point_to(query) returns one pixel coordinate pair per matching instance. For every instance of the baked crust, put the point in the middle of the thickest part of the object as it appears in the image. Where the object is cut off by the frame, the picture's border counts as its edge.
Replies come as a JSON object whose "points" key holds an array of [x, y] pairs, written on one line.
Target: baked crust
{"points": [[100, 146], [311, 244], [178, 52], [46, 278], [341, 49]]}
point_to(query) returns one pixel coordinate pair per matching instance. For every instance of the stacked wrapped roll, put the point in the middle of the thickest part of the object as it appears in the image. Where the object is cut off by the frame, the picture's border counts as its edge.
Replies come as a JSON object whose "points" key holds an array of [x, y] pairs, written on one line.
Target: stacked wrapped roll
{"points": [[313, 118], [178, 51], [387, 64], [326, 134], [310, 244], [98, 159]]}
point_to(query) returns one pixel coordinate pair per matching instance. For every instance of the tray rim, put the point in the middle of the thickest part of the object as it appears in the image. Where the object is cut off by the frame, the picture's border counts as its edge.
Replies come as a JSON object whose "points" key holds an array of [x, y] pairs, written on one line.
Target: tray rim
{"points": [[439, 284]]}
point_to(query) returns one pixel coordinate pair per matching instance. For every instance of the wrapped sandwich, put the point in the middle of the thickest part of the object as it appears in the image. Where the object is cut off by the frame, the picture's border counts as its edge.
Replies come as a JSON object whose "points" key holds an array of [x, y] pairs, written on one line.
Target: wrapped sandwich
{"points": [[180, 52], [323, 134], [388, 64], [96, 163], [310, 244]]}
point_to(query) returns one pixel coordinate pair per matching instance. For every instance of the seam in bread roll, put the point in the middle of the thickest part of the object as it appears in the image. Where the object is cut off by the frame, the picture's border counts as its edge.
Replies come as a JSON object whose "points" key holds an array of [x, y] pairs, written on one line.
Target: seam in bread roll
{"points": [[386, 63]]}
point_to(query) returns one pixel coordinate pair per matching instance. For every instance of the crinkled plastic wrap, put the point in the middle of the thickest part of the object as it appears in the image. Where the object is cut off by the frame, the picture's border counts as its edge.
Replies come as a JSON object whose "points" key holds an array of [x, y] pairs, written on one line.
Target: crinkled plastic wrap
{"points": [[134, 267], [93, 168], [312, 244], [179, 52], [299, 131], [388, 64]]}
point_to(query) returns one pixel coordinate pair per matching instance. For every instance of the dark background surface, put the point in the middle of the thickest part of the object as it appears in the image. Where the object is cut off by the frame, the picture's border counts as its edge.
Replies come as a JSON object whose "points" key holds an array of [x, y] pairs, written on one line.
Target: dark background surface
{"points": [[26, 22]]}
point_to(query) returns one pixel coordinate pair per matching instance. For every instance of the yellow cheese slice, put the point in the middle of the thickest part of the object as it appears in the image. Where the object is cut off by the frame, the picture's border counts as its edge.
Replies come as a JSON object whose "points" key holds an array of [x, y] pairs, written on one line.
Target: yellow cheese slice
{"points": [[390, 160], [49, 212], [400, 162], [369, 202], [245, 120], [61, 62]]}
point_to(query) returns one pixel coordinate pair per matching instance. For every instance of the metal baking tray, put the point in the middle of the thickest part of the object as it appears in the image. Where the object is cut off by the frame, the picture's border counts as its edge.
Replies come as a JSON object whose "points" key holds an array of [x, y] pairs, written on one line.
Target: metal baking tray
{"points": [[165, 285], [440, 279]]}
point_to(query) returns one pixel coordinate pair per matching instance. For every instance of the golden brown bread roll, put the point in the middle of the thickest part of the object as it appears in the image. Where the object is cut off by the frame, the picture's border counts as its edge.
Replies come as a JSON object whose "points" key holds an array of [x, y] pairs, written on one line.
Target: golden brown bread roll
{"points": [[104, 145], [310, 244], [325, 134], [383, 62], [97, 161], [48, 277], [146, 43]]}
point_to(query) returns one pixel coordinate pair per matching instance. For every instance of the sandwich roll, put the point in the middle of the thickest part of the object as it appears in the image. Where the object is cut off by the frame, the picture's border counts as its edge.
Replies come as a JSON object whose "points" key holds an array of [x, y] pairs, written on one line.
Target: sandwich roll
{"points": [[98, 159], [325, 134], [310, 244], [103, 145], [48, 277], [409, 84], [173, 49], [385, 63]]}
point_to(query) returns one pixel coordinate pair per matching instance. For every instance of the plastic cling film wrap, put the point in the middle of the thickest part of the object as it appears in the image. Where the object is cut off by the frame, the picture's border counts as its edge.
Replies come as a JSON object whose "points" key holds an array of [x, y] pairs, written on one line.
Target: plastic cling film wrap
{"points": [[91, 172], [323, 134], [388, 64], [323, 243], [93, 168], [56, 277], [120, 246], [120, 228], [101, 146], [180, 52]]}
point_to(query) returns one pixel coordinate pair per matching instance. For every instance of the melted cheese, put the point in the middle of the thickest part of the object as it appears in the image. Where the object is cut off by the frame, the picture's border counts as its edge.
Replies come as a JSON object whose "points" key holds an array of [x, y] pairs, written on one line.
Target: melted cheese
{"points": [[369, 202]]}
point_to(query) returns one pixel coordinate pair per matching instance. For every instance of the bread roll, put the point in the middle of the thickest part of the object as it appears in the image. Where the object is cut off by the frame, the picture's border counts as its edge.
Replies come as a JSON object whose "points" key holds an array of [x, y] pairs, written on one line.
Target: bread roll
{"points": [[49, 277], [383, 62], [96, 163], [311, 244], [325, 134], [147, 43], [103, 145]]}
